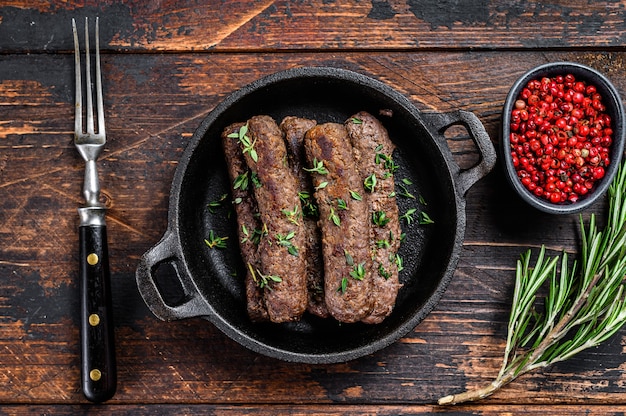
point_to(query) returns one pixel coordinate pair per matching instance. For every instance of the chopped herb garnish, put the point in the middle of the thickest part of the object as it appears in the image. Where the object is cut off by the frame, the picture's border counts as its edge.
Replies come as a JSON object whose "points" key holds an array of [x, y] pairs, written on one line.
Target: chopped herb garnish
{"points": [[358, 271], [399, 263], [334, 217], [356, 196], [425, 218], [356, 120], [344, 285], [322, 185], [349, 259], [254, 237], [292, 215], [384, 273], [255, 180], [422, 200], [214, 241], [408, 216], [405, 192], [309, 207], [263, 280], [285, 240], [407, 181], [318, 167], [213, 205], [380, 218], [387, 161], [248, 146], [341, 204], [369, 183], [382, 244], [241, 181]]}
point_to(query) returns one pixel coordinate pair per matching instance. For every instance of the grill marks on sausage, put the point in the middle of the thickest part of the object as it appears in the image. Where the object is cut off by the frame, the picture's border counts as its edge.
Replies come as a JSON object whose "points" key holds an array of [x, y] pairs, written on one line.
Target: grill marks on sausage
{"points": [[294, 129], [347, 294], [336, 262], [373, 151]]}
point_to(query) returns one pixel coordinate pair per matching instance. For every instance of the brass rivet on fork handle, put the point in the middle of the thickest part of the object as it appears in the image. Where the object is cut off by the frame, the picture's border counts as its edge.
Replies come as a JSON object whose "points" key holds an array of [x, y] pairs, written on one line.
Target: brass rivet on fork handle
{"points": [[98, 366]]}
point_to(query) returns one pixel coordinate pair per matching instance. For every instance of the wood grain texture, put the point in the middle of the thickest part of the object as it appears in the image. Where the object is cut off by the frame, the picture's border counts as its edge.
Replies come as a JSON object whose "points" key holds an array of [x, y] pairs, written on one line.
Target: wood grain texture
{"points": [[153, 105], [438, 57], [187, 25]]}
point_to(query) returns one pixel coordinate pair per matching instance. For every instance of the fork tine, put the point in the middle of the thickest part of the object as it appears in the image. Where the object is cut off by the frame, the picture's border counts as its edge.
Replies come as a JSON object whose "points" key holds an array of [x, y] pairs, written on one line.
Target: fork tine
{"points": [[78, 110], [88, 88], [100, 105]]}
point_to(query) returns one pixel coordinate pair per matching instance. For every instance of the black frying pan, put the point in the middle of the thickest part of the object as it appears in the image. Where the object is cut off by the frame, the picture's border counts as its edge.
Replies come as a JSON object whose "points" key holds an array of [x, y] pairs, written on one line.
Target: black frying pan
{"points": [[211, 279]]}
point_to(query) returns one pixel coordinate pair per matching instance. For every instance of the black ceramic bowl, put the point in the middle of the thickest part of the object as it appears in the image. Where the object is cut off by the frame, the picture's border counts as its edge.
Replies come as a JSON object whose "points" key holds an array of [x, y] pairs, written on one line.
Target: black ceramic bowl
{"points": [[614, 109]]}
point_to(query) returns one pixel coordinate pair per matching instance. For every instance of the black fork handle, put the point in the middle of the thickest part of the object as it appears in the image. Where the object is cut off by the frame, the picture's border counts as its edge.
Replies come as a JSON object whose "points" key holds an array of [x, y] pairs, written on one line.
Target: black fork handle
{"points": [[98, 367]]}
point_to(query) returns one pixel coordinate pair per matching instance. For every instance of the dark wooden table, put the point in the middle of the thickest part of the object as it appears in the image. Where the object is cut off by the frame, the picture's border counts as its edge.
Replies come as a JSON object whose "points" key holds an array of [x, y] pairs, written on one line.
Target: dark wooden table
{"points": [[166, 66]]}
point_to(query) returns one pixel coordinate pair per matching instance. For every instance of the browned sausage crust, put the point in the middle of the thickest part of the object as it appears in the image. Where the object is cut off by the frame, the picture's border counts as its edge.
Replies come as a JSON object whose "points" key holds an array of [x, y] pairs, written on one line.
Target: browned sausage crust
{"points": [[294, 129], [373, 151], [282, 272], [343, 222], [248, 223]]}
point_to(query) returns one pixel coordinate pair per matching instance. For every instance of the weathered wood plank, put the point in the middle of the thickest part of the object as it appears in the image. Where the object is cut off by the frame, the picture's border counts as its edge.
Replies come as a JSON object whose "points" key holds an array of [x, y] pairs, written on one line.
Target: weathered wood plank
{"points": [[153, 105], [269, 25], [318, 410]]}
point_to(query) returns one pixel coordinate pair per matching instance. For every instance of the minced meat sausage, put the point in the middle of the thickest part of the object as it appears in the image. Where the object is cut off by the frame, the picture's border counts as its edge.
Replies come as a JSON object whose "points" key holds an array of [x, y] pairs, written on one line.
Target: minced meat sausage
{"points": [[294, 129], [343, 221], [248, 224], [373, 151], [282, 273]]}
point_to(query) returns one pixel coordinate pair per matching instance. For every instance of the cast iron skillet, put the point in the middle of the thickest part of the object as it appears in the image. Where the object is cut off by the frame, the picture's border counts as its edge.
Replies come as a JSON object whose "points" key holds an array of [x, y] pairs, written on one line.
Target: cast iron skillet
{"points": [[212, 278]]}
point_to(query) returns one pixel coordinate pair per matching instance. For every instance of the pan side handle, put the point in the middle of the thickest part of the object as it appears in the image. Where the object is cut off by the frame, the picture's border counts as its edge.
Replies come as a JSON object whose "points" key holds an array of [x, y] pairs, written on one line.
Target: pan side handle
{"points": [[165, 251], [440, 122]]}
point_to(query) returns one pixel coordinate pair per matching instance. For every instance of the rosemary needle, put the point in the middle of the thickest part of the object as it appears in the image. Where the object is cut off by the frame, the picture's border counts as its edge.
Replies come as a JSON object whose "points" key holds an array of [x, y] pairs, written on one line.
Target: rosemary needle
{"points": [[585, 304]]}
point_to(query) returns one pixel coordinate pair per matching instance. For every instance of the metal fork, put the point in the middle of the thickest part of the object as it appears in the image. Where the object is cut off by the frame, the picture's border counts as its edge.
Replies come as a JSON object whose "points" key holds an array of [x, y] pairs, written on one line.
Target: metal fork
{"points": [[99, 374]]}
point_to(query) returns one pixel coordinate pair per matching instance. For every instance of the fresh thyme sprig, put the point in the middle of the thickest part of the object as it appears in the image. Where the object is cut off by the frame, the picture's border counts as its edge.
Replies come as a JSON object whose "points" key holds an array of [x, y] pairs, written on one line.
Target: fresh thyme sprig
{"points": [[584, 307]]}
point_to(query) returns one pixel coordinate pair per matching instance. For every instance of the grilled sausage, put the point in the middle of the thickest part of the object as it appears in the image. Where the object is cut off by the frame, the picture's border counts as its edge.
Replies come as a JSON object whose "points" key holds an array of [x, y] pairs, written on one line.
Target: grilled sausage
{"points": [[343, 222], [248, 224], [282, 273], [294, 129], [373, 151]]}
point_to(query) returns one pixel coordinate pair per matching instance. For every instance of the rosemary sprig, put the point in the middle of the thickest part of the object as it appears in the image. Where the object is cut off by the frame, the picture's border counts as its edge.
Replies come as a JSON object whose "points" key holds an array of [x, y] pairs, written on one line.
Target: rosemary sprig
{"points": [[584, 307]]}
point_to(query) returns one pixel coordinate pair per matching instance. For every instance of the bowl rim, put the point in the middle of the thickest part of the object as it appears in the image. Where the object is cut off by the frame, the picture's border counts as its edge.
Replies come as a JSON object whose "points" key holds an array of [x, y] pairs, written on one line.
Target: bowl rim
{"points": [[614, 106]]}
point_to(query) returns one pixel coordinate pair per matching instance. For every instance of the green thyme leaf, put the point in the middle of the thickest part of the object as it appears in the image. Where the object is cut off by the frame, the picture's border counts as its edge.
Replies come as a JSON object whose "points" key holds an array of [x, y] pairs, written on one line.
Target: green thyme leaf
{"points": [[349, 259], [405, 192], [399, 263], [408, 215], [370, 183], [285, 240], [358, 271], [292, 215], [214, 205], [380, 218], [344, 285], [213, 241], [322, 185], [318, 167], [241, 181], [334, 217], [425, 218], [356, 120], [384, 273], [356, 196]]}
